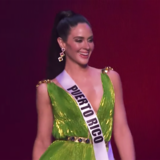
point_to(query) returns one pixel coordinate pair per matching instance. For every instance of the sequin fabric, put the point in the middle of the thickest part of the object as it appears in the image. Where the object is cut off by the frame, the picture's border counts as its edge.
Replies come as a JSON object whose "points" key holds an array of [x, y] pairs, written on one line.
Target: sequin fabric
{"points": [[68, 121]]}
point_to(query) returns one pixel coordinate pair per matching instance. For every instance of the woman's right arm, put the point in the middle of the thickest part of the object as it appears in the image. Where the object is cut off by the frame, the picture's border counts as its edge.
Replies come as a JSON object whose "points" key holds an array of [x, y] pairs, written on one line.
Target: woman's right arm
{"points": [[45, 122]]}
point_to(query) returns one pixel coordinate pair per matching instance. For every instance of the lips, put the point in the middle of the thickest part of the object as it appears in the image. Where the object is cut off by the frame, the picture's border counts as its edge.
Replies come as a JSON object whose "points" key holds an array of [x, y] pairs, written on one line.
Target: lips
{"points": [[84, 53]]}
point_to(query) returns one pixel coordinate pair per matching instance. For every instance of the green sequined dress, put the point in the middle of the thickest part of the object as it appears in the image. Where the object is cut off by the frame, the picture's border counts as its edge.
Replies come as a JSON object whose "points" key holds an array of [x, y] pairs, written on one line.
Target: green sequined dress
{"points": [[68, 121]]}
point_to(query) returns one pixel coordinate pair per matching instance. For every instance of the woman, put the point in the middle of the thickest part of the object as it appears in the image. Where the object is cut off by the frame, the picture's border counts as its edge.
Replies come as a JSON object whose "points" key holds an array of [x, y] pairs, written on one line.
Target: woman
{"points": [[59, 109]]}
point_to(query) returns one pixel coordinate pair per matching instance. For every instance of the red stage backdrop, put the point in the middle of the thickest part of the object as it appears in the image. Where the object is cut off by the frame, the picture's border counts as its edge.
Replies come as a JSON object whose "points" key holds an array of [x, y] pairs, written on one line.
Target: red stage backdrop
{"points": [[127, 35]]}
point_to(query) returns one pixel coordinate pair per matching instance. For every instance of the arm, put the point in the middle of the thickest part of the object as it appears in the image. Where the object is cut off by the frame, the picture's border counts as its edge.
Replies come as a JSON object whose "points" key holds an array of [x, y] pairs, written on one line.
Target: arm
{"points": [[45, 122], [121, 131]]}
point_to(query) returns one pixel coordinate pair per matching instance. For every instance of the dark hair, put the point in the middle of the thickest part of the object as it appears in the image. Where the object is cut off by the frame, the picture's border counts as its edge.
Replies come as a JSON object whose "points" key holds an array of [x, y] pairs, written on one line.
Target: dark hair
{"points": [[62, 24]]}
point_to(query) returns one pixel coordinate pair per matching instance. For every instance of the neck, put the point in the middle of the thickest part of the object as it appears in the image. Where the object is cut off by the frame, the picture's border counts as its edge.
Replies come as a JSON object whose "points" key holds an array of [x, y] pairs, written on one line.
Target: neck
{"points": [[76, 71]]}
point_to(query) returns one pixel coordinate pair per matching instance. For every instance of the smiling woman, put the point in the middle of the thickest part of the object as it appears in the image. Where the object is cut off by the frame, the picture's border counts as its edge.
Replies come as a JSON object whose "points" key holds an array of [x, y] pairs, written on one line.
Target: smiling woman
{"points": [[79, 104], [79, 44]]}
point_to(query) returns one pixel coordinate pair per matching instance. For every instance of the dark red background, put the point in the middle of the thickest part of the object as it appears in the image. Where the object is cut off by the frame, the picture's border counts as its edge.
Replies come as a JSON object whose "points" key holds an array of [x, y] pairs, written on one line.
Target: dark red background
{"points": [[127, 37]]}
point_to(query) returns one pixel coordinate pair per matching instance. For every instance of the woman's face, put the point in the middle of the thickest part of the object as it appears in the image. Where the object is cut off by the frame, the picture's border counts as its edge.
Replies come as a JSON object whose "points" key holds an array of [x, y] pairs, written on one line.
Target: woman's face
{"points": [[79, 44]]}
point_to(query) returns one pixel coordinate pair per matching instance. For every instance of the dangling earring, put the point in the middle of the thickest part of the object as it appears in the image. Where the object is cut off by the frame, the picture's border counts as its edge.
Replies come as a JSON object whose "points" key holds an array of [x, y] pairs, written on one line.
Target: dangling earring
{"points": [[61, 55]]}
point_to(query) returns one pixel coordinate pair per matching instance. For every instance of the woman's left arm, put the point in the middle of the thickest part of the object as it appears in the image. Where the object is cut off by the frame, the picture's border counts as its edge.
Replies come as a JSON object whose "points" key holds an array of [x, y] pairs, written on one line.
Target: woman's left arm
{"points": [[121, 131]]}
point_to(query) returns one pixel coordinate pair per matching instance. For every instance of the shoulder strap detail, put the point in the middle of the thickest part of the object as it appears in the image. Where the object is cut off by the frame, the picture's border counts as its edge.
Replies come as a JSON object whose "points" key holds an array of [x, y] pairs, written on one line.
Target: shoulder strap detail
{"points": [[107, 69], [43, 81]]}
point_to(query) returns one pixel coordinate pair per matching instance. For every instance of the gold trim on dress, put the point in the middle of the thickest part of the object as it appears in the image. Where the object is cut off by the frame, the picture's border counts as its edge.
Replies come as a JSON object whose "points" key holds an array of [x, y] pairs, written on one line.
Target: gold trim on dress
{"points": [[82, 140], [107, 69], [43, 81]]}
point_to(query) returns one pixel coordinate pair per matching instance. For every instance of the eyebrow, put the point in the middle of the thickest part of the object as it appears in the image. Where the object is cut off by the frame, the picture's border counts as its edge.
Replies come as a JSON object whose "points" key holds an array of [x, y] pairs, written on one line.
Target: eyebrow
{"points": [[83, 37]]}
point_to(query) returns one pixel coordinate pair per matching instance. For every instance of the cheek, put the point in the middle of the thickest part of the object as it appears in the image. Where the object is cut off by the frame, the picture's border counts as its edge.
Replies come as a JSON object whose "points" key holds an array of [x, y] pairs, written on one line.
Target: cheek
{"points": [[92, 46], [74, 47]]}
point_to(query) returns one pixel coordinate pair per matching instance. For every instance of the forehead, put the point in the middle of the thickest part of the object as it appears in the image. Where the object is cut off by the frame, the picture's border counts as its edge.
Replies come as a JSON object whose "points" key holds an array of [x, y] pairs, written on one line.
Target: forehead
{"points": [[82, 29]]}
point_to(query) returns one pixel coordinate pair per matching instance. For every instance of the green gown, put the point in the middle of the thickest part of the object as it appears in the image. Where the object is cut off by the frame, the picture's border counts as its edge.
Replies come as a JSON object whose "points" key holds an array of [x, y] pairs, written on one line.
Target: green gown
{"points": [[68, 121]]}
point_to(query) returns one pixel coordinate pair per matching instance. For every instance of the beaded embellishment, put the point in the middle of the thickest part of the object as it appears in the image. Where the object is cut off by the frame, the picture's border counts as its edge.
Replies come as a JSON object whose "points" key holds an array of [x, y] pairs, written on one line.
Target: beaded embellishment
{"points": [[79, 139], [44, 81], [82, 140], [107, 69]]}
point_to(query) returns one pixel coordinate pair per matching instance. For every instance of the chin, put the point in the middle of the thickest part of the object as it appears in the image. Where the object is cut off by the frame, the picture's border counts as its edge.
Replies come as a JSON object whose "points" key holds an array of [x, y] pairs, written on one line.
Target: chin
{"points": [[83, 64]]}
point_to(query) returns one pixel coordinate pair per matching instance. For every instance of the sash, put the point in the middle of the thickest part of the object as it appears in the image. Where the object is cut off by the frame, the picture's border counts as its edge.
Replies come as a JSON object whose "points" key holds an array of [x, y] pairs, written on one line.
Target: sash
{"points": [[89, 116]]}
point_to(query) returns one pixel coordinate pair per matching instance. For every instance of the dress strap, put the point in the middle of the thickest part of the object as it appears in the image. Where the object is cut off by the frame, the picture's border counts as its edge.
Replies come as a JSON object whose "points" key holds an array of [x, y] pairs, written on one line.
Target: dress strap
{"points": [[107, 69], [43, 81]]}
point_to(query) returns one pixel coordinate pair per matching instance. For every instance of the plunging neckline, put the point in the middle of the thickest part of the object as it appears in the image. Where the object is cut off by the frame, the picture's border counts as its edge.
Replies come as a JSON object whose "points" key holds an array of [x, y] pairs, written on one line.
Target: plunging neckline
{"points": [[84, 94]]}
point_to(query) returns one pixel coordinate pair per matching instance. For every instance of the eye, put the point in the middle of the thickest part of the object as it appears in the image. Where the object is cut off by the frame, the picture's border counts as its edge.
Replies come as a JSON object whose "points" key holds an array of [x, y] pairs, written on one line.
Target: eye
{"points": [[90, 40], [78, 40]]}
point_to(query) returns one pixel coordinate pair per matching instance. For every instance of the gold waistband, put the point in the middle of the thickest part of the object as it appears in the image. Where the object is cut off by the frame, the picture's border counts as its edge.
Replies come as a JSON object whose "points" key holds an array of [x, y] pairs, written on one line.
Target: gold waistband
{"points": [[82, 140]]}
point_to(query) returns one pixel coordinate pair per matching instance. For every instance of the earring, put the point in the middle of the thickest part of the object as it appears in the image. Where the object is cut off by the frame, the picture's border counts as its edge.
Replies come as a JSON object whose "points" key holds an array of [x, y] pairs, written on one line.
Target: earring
{"points": [[61, 55]]}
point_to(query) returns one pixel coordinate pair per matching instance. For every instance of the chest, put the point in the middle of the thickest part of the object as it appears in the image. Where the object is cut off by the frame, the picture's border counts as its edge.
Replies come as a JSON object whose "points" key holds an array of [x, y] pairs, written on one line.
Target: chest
{"points": [[93, 92]]}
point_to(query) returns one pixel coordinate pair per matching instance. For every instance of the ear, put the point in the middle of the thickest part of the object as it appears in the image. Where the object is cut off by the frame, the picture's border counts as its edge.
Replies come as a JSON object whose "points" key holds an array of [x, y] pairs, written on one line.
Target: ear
{"points": [[61, 42]]}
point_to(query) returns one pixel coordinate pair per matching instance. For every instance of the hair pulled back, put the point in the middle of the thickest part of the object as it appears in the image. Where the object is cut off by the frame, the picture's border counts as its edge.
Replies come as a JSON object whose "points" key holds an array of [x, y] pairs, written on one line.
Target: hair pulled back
{"points": [[63, 22]]}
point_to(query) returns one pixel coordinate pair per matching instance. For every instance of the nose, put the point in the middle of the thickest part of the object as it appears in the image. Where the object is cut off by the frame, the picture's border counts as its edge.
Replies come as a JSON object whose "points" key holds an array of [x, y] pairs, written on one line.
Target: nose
{"points": [[86, 45]]}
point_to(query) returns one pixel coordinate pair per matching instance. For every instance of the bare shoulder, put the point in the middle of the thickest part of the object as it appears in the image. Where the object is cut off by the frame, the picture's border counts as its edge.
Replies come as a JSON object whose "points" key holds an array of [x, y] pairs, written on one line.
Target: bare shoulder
{"points": [[113, 75], [42, 88], [115, 78], [42, 94]]}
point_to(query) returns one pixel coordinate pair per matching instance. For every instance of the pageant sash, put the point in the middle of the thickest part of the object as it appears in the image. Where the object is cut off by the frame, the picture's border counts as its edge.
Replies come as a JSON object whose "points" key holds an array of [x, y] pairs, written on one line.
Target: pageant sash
{"points": [[89, 116]]}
